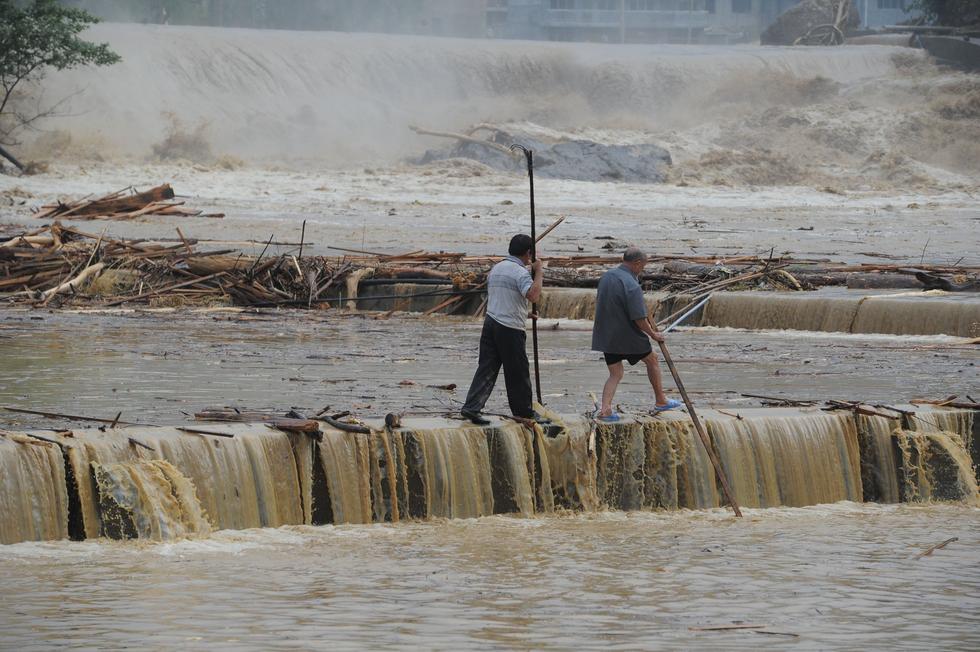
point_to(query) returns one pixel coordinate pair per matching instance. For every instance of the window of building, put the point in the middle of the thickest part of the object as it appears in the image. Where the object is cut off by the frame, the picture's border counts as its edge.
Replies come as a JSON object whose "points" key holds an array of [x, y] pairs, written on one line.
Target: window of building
{"points": [[741, 6], [891, 4], [562, 4], [662, 5]]}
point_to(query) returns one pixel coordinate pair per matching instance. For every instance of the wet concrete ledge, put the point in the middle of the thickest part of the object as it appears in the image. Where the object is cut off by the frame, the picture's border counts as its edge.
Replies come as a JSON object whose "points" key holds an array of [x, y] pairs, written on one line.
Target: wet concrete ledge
{"points": [[146, 482], [858, 312]]}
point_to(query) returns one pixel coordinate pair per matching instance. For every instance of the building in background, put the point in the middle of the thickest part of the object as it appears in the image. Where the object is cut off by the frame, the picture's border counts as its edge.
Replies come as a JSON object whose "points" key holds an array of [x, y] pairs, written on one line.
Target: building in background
{"points": [[603, 21], [465, 18], [878, 13], [655, 21], [633, 21]]}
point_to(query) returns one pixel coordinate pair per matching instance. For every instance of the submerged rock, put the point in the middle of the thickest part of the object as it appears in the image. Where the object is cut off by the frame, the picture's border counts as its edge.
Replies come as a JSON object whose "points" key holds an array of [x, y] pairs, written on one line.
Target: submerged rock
{"points": [[576, 159]]}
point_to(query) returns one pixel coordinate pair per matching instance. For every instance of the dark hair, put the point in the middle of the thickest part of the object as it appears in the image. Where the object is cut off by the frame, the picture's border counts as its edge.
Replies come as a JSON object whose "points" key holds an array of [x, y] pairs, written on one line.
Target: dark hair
{"points": [[520, 244]]}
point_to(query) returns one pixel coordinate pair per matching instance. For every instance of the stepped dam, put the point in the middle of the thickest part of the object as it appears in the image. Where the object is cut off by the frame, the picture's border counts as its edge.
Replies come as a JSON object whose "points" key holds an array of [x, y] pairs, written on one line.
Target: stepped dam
{"points": [[164, 483], [832, 310]]}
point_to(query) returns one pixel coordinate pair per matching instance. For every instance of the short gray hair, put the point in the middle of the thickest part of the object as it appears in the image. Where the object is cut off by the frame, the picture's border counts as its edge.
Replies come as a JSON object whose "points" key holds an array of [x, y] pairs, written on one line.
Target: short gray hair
{"points": [[633, 254]]}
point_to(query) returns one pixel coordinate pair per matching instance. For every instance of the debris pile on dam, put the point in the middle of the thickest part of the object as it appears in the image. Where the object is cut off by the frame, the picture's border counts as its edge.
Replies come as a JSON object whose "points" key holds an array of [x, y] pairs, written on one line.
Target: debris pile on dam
{"points": [[159, 483], [59, 264]]}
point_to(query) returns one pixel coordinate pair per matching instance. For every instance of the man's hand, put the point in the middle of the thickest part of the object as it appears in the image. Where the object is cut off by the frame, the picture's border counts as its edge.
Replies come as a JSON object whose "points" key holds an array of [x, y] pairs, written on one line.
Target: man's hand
{"points": [[538, 265], [658, 337]]}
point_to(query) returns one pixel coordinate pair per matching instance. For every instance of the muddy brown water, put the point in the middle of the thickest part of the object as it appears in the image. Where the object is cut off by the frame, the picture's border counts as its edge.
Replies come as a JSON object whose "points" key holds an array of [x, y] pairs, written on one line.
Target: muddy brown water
{"points": [[156, 368], [828, 577]]}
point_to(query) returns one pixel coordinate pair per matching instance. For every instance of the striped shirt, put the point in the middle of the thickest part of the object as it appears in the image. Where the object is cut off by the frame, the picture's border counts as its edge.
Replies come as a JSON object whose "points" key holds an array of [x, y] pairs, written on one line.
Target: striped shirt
{"points": [[507, 287]]}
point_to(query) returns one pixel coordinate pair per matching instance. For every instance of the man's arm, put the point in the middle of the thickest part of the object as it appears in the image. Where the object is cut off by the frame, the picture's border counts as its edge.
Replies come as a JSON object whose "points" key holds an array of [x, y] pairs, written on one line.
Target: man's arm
{"points": [[646, 326], [534, 293]]}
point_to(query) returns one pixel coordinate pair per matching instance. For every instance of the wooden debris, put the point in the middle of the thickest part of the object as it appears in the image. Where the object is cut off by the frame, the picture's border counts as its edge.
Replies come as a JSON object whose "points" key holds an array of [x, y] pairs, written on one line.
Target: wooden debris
{"points": [[72, 417], [346, 427], [857, 408], [61, 265], [211, 433], [781, 402], [938, 546], [125, 204], [722, 628]]}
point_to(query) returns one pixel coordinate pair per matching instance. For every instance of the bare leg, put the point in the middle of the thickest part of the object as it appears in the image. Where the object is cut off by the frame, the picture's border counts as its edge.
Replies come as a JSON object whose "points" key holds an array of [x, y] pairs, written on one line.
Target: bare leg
{"points": [[609, 390], [653, 373]]}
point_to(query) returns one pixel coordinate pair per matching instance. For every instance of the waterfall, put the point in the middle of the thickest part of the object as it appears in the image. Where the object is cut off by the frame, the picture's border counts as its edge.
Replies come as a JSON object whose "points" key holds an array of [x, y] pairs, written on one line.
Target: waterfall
{"points": [[33, 492], [571, 466], [161, 483], [936, 466], [790, 461], [879, 459], [245, 481], [511, 457], [350, 97], [148, 499], [895, 315], [82, 452], [577, 303], [347, 468], [776, 311], [957, 316], [452, 465], [935, 456], [678, 471]]}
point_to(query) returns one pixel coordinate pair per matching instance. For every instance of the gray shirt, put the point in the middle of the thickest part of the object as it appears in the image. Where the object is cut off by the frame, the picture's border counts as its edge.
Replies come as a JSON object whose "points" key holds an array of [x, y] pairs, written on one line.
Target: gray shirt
{"points": [[618, 304], [507, 287]]}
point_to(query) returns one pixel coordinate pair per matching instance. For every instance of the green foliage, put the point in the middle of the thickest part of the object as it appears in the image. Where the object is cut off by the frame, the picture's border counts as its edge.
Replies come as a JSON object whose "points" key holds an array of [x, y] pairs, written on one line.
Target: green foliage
{"points": [[35, 37], [953, 13]]}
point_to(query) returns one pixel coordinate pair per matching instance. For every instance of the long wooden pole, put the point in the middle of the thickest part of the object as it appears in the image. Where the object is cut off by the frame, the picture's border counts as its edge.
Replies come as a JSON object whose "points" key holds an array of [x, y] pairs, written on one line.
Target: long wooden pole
{"points": [[534, 257], [529, 156], [700, 428]]}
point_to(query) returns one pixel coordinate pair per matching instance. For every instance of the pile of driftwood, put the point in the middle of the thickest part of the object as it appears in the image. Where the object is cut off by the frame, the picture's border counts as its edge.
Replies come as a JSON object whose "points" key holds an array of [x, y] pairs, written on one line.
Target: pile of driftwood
{"points": [[125, 204], [58, 263], [61, 263]]}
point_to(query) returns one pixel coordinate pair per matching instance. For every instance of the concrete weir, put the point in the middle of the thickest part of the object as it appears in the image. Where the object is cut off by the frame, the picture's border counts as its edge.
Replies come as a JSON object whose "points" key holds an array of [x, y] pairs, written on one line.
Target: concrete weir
{"points": [[160, 483], [841, 311]]}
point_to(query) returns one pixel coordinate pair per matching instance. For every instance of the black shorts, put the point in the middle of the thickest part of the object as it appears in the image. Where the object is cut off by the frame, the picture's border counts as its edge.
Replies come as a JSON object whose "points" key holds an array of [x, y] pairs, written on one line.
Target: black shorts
{"points": [[632, 358]]}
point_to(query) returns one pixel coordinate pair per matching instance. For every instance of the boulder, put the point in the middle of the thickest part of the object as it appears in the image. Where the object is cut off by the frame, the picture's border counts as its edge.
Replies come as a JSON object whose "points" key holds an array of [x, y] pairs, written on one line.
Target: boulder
{"points": [[580, 160]]}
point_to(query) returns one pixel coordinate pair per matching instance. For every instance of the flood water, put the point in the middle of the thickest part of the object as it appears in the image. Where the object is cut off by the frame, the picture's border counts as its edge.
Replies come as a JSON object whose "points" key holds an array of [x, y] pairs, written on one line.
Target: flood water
{"points": [[839, 576], [157, 369], [828, 154]]}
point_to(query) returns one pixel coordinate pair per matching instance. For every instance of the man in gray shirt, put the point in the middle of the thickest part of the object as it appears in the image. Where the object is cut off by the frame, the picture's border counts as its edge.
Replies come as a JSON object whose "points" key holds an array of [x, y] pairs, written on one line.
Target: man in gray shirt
{"points": [[504, 341], [621, 331]]}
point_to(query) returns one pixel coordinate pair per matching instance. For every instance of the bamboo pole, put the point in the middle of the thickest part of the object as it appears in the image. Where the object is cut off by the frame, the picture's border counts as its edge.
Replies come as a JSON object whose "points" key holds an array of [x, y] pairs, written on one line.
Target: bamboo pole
{"points": [[722, 478]]}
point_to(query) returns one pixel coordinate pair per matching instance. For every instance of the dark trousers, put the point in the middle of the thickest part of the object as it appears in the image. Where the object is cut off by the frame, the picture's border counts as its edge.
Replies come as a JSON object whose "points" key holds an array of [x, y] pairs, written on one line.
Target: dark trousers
{"points": [[500, 345]]}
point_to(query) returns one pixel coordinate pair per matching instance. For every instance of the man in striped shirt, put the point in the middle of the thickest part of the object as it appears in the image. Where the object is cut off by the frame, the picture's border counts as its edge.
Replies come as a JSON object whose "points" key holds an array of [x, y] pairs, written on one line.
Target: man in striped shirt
{"points": [[510, 288]]}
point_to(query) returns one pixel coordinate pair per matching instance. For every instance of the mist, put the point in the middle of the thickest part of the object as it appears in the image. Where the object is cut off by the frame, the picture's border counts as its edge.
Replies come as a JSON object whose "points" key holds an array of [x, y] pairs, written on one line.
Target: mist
{"points": [[727, 114], [424, 17]]}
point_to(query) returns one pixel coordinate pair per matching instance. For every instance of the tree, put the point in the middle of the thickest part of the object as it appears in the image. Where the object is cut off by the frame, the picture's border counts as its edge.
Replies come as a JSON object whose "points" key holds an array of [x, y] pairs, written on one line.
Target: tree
{"points": [[954, 13], [36, 37]]}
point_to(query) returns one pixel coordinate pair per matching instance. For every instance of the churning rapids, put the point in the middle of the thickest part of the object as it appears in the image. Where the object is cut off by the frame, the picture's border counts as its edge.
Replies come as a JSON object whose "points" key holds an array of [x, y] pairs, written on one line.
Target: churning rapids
{"points": [[855, 153]]}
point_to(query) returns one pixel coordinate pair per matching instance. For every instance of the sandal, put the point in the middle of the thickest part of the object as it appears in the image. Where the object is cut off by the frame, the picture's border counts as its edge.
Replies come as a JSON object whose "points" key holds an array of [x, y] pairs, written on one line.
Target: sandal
{"points": [[670, 405]]}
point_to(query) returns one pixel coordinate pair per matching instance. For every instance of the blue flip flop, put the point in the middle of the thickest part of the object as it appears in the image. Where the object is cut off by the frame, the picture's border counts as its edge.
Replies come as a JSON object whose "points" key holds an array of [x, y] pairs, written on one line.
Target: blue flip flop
{"points": [[672, 404], [612, 418]]}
